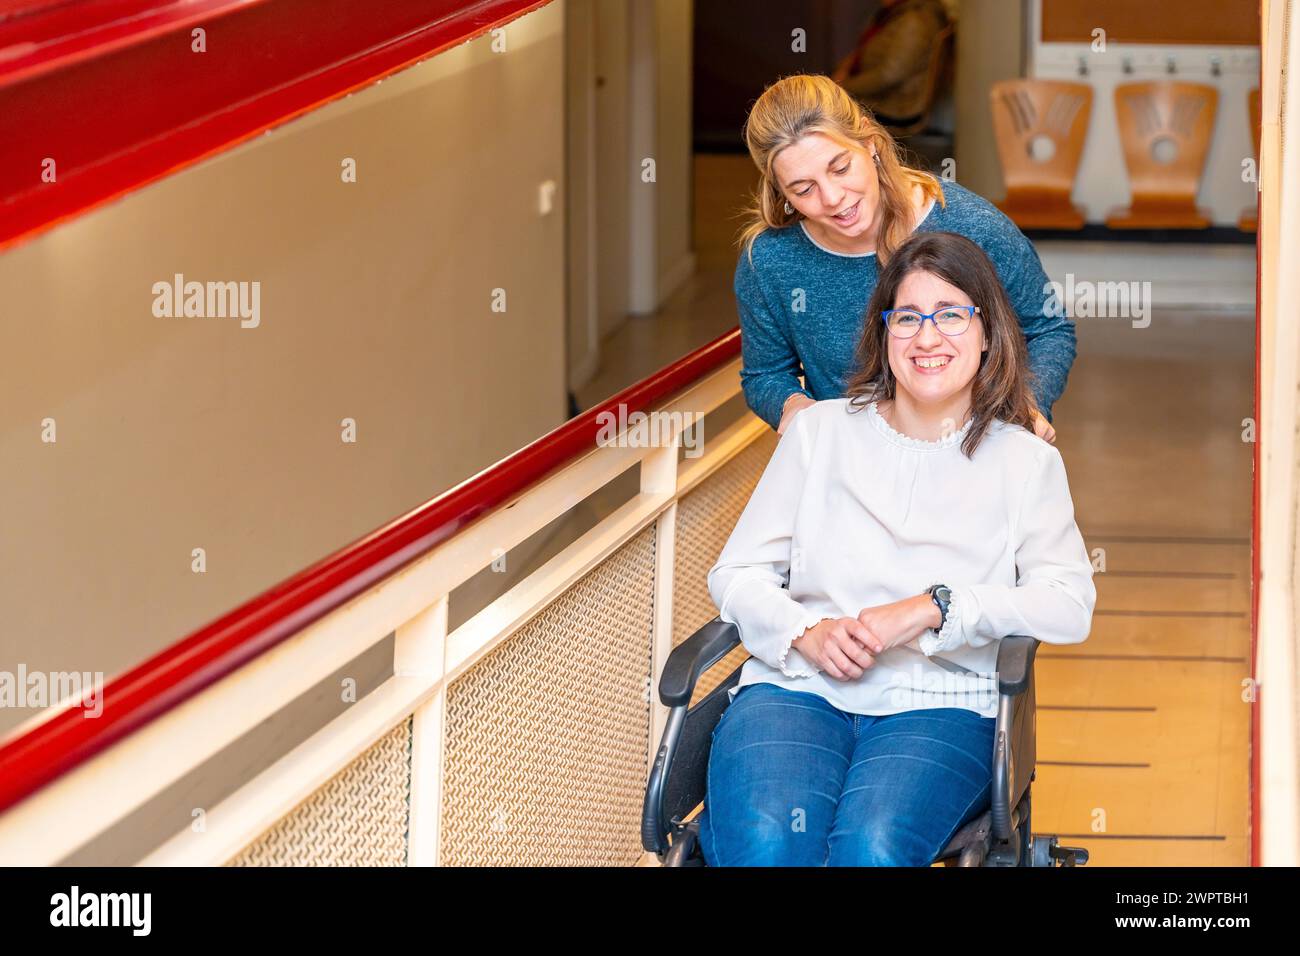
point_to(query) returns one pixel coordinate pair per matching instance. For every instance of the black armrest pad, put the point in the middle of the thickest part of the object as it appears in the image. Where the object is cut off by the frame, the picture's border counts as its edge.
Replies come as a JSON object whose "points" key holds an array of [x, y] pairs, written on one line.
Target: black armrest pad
{"points": [[694, 656], [1015, 663]]}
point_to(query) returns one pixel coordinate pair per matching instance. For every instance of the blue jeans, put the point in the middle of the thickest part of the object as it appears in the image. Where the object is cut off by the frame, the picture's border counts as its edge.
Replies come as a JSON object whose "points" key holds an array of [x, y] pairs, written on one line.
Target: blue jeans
{"points": [[795, 781]]}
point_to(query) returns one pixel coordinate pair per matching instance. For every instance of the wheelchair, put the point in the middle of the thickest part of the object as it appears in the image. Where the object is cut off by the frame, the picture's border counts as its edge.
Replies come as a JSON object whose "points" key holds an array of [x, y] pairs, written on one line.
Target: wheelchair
{"points": [[1000, 836]]}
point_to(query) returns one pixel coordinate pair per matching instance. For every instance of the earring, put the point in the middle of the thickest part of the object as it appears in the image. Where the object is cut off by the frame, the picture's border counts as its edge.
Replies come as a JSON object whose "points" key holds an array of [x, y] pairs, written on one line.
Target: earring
{"points": [[876, 158], [788, 208]]}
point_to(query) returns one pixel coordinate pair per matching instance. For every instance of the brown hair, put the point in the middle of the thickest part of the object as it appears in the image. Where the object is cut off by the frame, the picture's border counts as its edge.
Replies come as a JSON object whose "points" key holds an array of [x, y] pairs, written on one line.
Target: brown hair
{"points": [[795, 106], [1001, 388]]}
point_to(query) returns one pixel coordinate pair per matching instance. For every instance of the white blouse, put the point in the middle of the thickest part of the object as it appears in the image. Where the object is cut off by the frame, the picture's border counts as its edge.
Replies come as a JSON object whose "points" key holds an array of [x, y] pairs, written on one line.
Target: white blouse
{"points": [[851, 514]]}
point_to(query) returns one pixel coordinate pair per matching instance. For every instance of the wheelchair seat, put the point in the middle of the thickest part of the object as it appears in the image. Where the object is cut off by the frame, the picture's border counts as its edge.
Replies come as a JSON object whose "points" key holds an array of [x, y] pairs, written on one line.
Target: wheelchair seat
{"points": [[1000, 836]]}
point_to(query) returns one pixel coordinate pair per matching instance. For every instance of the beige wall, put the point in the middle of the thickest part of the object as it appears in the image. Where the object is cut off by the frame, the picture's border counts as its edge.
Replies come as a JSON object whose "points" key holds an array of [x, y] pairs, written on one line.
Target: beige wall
{"points": [[583, 306], [183, 433], [629, 74], [613, 162], [675, 246], [990, 47]]}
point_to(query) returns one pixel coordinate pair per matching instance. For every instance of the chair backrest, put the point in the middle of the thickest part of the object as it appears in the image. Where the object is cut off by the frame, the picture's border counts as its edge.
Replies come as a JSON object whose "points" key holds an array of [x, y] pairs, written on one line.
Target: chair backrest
{"points": [[1165, 128], [1040, 127]]}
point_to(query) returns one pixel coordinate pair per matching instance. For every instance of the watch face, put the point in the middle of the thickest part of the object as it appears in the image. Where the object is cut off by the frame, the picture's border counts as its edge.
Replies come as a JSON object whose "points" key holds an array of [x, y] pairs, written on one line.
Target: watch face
{"points": [[943, 594]]}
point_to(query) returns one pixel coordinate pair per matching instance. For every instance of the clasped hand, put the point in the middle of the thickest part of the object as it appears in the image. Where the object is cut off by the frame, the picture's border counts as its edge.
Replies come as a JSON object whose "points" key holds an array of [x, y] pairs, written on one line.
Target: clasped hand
{"points": [[845, 647]]}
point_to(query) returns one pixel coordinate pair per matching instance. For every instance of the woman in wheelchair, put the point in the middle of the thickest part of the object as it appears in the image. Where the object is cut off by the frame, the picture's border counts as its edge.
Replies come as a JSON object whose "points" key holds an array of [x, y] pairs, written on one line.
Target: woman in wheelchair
{"points": [[916, 522]]}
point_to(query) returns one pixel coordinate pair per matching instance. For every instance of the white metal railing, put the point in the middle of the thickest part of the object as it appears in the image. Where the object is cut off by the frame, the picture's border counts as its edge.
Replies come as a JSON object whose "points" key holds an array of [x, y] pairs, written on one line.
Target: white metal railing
{"points": [[411, 604]]}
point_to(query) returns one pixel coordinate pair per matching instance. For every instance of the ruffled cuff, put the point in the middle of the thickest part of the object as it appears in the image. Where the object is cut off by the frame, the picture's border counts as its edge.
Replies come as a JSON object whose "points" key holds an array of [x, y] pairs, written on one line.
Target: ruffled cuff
{"points": [[810, 620], [948, 637]]}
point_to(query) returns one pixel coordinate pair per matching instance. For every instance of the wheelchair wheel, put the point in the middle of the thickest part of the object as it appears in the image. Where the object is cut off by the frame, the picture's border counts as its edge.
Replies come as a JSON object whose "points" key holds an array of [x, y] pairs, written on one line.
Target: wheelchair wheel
{"points": [[685, 850]]}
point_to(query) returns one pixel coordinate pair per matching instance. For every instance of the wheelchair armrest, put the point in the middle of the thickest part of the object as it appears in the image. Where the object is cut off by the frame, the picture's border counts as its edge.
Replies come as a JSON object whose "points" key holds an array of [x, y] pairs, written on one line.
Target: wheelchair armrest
{"points": [[1015, 663], [692, 657]]}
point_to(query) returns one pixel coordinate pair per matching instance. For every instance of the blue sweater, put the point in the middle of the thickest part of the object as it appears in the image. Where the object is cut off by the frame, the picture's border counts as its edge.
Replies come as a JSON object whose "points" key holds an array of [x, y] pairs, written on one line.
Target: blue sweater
{"points": [[802, 306]]}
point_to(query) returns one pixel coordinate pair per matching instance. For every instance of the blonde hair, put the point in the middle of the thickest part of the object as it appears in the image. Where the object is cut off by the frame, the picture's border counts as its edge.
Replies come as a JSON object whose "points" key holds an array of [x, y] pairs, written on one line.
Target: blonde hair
{"points": [[795, 106]]}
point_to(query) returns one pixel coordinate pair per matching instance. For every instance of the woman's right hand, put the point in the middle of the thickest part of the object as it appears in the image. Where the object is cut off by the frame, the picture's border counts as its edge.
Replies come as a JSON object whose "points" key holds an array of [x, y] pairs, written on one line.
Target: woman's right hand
{"points": [[838, 646], [1043, 428], [793, 404]]}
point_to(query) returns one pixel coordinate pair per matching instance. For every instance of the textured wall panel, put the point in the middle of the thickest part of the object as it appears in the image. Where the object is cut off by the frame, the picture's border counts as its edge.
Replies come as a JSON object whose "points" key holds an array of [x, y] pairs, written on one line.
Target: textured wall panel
{"points": [[358, 818], [705, 518], [547, 737]]}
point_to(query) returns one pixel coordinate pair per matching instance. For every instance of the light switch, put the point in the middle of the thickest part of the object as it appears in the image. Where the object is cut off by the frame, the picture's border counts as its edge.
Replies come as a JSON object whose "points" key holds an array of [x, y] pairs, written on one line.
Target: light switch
{"points": [[546, 197]]}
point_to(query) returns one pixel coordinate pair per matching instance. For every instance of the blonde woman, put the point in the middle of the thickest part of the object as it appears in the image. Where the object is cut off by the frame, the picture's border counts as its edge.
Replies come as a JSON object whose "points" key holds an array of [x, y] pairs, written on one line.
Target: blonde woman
{"points": [[896, 535], [834, 201]]}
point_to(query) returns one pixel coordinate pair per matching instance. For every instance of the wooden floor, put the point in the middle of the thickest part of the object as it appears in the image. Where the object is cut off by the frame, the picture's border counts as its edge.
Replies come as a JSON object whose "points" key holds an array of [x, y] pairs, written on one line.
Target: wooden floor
{"points": [[1143, 730]]}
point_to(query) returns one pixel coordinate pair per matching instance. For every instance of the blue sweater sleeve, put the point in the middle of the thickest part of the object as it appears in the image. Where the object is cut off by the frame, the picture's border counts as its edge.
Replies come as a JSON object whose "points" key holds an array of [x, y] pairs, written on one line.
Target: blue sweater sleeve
{"points": [[770, 367], [1049, 333]]}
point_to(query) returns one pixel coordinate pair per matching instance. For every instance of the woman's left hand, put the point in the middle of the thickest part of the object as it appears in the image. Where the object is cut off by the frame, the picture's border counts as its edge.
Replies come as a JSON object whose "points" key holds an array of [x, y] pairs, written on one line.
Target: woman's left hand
{"points": [[1043, 428], [900, 622]]}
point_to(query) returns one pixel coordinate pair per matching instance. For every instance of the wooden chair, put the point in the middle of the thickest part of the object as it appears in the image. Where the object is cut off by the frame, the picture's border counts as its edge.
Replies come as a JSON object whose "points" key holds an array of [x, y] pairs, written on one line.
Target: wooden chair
{"points": [[1249, 221], [1040, 126], [1177, 118]]}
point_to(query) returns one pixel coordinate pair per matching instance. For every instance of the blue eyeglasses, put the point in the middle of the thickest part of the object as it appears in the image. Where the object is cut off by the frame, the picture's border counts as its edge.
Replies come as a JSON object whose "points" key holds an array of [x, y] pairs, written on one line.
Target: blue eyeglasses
{"points": [[950, 320]]}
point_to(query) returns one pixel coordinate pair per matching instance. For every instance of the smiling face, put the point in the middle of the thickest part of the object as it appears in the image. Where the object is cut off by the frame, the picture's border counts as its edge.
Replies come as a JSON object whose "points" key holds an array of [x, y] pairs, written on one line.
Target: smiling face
{"points": [[823, 179], [933, 368]]}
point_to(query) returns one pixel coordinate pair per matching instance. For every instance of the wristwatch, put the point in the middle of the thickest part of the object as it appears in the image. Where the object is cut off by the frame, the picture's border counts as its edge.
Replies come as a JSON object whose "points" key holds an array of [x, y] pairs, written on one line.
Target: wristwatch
{"points": [[941, 595]]}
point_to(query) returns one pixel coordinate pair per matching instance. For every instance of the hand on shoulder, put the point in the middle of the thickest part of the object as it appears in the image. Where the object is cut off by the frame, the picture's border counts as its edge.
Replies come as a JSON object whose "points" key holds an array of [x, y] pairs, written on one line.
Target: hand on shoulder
{"points": [[793, 405], [1043, 428]]}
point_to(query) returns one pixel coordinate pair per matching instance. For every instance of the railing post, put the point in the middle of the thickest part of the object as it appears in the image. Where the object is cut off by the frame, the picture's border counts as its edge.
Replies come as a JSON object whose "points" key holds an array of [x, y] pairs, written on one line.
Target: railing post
{"points": [[419, 650]]}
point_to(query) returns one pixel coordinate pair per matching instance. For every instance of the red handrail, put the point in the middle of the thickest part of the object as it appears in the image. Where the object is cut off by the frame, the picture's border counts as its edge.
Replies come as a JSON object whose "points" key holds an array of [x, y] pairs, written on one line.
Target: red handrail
{"points": [[106, 96], [178, 673]]}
